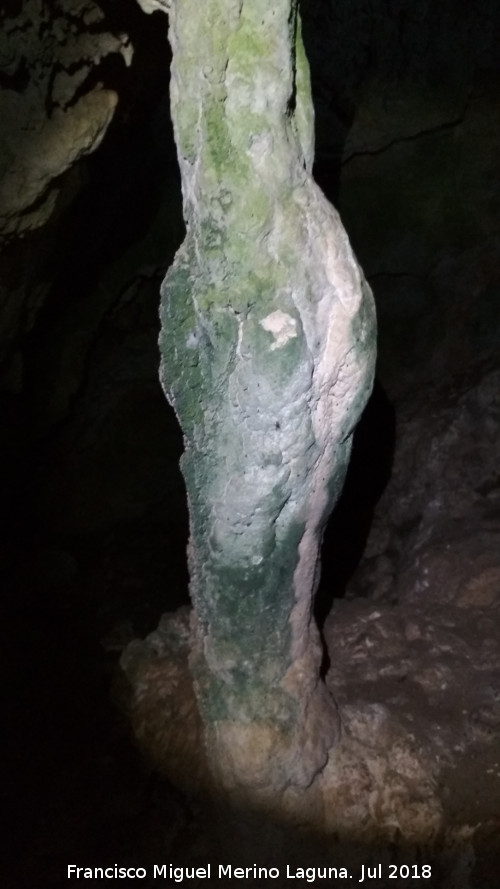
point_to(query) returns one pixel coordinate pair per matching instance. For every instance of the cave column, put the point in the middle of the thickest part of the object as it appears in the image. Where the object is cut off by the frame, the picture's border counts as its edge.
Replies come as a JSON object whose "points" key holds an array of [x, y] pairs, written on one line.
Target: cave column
{"points": [[267, 355]]}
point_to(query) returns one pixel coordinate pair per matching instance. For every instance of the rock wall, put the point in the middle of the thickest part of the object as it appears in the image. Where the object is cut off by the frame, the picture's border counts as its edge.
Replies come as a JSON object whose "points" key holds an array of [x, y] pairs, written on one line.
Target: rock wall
{"points": [[436, 530], [85, 236], [52, 105]]}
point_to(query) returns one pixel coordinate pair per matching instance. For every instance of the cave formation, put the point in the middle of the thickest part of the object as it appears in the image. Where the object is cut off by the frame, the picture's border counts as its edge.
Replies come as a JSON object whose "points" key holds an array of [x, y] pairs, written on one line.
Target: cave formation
{"points": [[267, 356], [94, 516]]}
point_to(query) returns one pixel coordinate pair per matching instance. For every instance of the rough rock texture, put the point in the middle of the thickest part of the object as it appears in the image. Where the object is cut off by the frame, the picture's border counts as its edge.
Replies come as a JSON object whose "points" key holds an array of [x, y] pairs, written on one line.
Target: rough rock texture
{"points": [[84, 424], [414, 654], [268, 352], [164, 711], [436, 533], [52, 109], [418, 636], [378, 784]]}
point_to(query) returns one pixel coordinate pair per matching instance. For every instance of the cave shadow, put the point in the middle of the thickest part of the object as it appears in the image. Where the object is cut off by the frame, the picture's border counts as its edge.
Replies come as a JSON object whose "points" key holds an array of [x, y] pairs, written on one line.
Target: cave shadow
{"points": [[116, 195], [347, 530]]}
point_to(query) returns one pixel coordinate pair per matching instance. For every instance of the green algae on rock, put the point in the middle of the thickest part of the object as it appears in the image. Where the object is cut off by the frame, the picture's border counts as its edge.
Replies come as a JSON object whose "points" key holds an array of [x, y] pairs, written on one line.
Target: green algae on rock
{"points": [[267, 355]]}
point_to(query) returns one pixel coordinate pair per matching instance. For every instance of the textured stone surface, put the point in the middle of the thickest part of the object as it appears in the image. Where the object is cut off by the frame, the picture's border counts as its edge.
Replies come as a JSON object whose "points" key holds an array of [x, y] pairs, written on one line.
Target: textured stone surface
{"points": [[78, 288], [419, 632], [267, 357], [49, 117], [55, 110], [164, 713], [414, 653], [436, 531], [379, 783]]}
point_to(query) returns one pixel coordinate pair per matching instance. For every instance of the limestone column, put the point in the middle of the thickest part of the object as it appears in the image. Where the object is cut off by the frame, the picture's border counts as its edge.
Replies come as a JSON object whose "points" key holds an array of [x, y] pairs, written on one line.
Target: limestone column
{"points": [[267, 356]]}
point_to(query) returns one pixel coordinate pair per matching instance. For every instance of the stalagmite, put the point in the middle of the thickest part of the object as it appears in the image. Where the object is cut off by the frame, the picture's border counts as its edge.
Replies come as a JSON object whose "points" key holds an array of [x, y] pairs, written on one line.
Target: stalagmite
{"points": [[267, 356]]}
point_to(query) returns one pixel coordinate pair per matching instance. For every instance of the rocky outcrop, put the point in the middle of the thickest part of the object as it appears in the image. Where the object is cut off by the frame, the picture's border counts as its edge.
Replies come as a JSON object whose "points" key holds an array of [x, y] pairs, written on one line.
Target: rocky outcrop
{"points": [[56, 104], [52, 106], [81, 265]]}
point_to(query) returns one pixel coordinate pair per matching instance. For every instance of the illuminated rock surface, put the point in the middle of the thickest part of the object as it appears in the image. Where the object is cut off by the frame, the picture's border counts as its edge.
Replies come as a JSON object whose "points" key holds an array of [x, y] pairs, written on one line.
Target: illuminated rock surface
{"points": [[268, 347]]}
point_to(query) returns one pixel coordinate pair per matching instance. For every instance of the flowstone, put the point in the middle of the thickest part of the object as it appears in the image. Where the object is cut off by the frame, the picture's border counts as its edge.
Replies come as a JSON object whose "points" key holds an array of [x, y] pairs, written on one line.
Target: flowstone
{"points": [[267, 356]]}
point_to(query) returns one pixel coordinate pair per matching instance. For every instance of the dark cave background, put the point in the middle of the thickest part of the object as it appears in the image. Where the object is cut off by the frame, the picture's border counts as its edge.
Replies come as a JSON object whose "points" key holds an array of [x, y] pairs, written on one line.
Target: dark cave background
{"points": [[93, 518]]}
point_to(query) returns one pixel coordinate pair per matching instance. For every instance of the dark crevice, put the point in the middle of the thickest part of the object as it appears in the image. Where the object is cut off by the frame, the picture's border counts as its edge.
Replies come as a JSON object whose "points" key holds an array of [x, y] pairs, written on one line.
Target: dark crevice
{"points": [[17, 81], [414, 137]]}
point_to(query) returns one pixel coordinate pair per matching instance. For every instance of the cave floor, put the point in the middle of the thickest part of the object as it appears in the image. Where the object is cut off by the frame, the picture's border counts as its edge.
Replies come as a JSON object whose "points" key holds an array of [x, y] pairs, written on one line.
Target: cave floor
{"points": [[435, 671], [78, 791]]}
